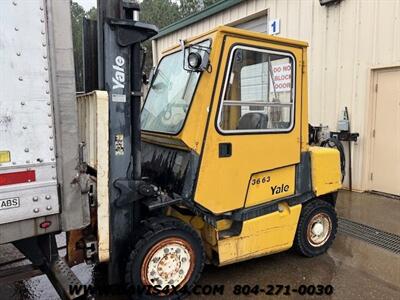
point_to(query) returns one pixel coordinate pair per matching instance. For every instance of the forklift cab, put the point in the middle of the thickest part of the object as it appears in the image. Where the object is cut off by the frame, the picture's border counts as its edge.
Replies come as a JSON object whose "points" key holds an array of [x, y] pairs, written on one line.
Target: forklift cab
{"points": [[230, 133]]}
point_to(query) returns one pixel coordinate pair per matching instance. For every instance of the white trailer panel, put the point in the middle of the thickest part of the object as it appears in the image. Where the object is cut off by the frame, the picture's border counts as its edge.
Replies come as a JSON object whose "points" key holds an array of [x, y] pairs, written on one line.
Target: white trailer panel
{"points": [[26, 113], [38, 120]]}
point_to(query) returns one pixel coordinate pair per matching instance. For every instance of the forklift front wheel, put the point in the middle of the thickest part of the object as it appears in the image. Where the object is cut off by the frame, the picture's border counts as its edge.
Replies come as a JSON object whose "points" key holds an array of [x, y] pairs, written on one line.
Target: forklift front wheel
{"points": [[316, 229], [166, 262]]}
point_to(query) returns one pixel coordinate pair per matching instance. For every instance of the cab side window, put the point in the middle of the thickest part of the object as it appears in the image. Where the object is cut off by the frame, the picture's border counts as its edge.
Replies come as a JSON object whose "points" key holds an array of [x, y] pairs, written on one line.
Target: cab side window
{"points": [[259, 92]]}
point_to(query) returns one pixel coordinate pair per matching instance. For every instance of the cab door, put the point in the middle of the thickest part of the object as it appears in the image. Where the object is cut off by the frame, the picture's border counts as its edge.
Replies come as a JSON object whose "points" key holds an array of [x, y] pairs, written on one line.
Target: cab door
{"points": [[252, 142]]}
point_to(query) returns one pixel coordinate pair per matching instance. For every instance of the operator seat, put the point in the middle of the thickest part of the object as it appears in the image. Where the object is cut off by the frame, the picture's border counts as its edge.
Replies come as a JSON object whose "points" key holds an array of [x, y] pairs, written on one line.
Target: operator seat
{"points": [[253, 120]]}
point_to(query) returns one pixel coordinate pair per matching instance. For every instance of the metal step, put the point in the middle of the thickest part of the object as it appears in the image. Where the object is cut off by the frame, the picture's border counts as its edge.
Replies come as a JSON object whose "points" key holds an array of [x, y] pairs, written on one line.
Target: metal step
{"points": [[385, 240], [64, 278]]}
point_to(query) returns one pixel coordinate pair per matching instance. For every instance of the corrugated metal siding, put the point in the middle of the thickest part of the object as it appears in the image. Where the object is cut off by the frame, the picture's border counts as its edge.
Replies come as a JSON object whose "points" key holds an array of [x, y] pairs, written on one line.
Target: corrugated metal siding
{"points": [[259, 24], [347, 41]]}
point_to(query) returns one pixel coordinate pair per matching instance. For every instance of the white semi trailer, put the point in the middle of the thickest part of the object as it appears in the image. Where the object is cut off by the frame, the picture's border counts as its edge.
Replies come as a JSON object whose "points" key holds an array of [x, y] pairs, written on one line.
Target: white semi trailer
{"points": [[39, 186], [40, 191]]}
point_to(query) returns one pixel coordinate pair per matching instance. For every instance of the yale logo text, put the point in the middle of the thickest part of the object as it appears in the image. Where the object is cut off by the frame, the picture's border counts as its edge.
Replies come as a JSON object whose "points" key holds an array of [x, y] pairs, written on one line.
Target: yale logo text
{"points": [[278, 189], [119, 75]]}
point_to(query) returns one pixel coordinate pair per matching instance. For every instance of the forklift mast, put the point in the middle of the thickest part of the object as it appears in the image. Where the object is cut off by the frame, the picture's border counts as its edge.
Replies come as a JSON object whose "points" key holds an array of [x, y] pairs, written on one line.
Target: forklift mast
{"points": [[120, 73]]}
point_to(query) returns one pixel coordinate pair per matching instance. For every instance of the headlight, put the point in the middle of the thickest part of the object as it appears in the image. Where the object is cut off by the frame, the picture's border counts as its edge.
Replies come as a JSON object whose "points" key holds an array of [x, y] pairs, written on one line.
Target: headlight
{"points": [[194, 60]]}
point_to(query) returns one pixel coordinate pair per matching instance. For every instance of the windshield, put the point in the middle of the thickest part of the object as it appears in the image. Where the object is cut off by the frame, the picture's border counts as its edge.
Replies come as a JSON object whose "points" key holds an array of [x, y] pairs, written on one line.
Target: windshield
{"points": [[170, 94]]}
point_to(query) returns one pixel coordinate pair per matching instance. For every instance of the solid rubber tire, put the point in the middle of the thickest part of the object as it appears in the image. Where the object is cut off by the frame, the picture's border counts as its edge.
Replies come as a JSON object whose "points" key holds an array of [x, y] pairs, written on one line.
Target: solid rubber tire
{"points": [[154, 231], [301, 244]]}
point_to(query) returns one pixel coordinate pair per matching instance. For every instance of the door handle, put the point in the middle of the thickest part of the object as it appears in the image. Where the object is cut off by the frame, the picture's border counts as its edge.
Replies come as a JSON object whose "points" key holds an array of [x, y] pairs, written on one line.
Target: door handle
{"points": [[225, 149]]}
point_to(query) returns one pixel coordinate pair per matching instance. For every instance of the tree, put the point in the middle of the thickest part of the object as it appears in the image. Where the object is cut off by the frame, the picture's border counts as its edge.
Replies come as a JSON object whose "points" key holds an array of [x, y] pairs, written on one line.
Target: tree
{"points": [[160, 13], [77, 15], [91, 13], [189, 7]]}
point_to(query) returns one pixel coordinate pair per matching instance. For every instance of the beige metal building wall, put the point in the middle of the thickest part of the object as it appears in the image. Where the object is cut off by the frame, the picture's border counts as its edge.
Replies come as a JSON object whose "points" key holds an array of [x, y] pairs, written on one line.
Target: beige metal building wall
{"points": [[348, 41]]}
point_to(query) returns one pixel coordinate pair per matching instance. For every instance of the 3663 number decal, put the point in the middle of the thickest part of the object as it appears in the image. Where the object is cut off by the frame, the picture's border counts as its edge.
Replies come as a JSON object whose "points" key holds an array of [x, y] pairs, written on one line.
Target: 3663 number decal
{"points": [[260, 180]]}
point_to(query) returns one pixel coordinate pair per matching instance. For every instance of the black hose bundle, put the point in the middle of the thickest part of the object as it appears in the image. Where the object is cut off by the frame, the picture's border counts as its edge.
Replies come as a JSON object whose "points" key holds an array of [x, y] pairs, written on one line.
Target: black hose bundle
{"points": [[335, 143]]}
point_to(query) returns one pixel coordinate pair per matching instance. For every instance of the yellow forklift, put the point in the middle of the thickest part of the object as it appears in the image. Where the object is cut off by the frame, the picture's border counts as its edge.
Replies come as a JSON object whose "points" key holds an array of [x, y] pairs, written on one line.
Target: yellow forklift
{"points": [[216, 167], [218, 170]]}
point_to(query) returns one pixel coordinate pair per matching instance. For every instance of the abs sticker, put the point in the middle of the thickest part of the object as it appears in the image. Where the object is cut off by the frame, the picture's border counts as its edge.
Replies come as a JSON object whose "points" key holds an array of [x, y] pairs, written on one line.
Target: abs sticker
{"points": [[9, 203]]}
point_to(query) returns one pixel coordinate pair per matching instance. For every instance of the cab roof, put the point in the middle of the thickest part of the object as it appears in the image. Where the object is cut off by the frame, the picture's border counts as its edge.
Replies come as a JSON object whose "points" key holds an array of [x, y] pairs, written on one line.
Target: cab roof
{"points": [[227, 30]]}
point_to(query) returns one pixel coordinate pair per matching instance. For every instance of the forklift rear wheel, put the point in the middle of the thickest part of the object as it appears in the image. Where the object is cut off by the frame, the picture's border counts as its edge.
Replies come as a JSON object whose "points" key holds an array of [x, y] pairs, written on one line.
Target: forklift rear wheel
{"points": [[316, 229], [166, 262]]}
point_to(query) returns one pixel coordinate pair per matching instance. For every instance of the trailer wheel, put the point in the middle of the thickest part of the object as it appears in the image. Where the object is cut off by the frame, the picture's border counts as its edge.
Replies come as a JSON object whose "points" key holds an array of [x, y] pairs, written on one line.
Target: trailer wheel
{"points": [[166, 262], [316, 229]]}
